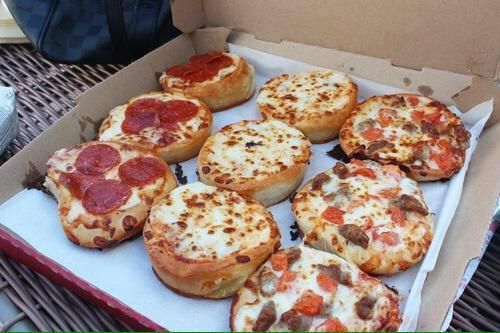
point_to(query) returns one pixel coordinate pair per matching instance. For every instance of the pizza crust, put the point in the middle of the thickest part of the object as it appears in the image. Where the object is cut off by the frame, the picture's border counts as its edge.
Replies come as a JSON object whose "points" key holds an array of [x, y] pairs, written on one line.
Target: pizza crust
{"points": [[228, 89], [351, 215], [106, 230], [317, 103], [263, 160], [340, 304], [432, 162], [189, 137], [204, 241]]}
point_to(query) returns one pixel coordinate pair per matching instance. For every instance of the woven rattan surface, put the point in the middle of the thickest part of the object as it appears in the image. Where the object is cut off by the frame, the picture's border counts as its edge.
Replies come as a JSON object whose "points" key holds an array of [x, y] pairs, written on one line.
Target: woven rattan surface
{"points": [[45, 91]]}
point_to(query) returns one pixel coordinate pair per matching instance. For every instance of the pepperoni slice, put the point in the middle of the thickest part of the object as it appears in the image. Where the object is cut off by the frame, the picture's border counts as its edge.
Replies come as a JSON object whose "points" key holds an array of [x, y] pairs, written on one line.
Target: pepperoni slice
{"points": [[192, 73], [176, 111], [333, 215], [141, 114], [105, 195], [372, 134], [141, 171], [97, 159], [77, 182], [213, 60], [201, 67]]}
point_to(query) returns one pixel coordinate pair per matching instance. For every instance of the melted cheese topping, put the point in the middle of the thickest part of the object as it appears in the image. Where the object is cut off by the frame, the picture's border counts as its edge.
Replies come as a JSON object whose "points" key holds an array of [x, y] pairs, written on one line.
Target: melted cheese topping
{"points": [[207, 223], [342, 302], [364, 204], [64, 160], [296, 96], [254, 150], [403, 131], [176, 82], [111, 129]]}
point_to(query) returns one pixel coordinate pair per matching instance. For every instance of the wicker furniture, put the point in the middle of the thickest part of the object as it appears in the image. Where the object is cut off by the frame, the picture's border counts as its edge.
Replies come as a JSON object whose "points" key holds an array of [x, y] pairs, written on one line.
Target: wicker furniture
{"points": [[45, 91]]}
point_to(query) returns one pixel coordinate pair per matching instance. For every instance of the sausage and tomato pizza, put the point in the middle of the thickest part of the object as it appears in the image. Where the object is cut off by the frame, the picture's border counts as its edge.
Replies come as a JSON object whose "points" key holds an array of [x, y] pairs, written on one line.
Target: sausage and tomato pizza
{"points": [[220, 79], [368, 213], [170, 124], [264, 160], [105, 190], [419, 134], [205, 241], [317, 102], [303, 289]]}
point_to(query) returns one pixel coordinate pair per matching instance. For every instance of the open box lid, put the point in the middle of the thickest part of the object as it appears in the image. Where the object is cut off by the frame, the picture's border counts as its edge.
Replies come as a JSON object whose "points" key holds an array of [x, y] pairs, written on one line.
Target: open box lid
{"points": [[450, 45], [453, 36]]}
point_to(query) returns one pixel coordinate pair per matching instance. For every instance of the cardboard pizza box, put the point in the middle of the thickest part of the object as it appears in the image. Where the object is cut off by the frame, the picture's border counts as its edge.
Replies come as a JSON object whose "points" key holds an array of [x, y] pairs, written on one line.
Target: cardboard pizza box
{"points": [[448, 50]]}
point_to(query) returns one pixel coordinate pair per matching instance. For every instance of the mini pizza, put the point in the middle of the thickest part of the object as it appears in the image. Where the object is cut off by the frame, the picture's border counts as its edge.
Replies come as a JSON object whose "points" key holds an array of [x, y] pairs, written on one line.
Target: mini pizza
{"points": [[205, 241], [105, 190], [305, 290], [263, 160], [220, 79], [317, 103], [169, 124], [419, 134], [368, 213]]}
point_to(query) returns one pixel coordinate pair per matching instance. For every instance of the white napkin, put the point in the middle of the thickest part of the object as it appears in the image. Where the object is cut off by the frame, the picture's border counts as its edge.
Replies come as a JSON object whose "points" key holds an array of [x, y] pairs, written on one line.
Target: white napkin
{"points": [[9, 125]]}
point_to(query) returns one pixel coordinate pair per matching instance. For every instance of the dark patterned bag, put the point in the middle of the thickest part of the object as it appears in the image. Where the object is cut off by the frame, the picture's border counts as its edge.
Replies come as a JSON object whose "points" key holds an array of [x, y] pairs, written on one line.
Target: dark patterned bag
{"points": [[94, 31]]}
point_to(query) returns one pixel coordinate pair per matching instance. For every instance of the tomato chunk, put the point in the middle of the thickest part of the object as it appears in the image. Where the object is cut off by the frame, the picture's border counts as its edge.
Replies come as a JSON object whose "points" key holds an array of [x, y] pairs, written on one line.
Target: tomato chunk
{"points": [[365, 172], [309, 303], [372, 134], [433, 117], [333, 215], [388, 193], [417, 116], [327, 283], [387, 237], [397, 215], [285, 279], [412, 100], [385, 117], [279, 261], [332, 325]]}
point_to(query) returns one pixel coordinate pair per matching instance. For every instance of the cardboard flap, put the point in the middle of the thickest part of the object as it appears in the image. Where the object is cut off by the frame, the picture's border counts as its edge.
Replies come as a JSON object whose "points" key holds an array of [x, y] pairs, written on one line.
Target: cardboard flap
{"points": [[454, 35], [476, 206], [209, 39], [188, 15]]}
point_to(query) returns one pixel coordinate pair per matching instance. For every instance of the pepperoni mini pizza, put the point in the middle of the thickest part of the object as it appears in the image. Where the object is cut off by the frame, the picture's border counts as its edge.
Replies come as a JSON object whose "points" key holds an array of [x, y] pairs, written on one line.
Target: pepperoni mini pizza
{"points": [[264, 160], [220, 79], [415, 132], [306, 290], [105, 190], [170, 124], [205, 241], [367, 213], [317, 103]]}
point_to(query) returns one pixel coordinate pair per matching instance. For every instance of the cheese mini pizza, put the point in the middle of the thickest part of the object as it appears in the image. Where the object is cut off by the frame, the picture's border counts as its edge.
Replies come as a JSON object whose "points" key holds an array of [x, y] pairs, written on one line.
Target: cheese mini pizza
{"points": [[317, 103], [368, 213], [417, 133], [105, 190], [220, 79], [263, 160], [170, 124], [306, 290], [205, 241]]}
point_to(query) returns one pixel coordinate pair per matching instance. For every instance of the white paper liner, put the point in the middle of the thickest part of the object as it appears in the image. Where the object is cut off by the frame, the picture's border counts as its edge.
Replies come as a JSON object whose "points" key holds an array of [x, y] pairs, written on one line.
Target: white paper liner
{"points": [[125, 272]]}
